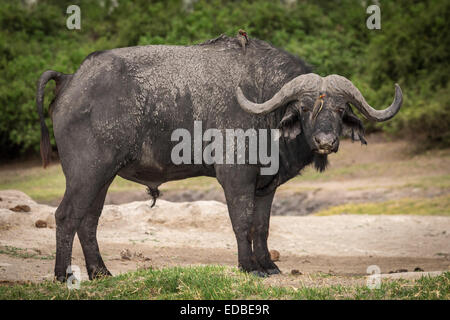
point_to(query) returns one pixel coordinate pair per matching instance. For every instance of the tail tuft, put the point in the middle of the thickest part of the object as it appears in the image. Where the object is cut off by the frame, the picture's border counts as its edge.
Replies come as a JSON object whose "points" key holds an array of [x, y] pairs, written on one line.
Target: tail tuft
{"points": [[46, 148]]}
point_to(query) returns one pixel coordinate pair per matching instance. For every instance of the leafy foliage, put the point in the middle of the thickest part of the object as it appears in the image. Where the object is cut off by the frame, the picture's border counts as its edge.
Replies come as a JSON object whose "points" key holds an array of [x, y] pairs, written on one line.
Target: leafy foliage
{"points": [[412, 48]]}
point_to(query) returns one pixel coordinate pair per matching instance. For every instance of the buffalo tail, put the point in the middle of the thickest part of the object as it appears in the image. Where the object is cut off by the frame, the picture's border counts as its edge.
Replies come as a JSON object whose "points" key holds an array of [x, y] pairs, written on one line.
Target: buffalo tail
{"points": [[46, 147]]}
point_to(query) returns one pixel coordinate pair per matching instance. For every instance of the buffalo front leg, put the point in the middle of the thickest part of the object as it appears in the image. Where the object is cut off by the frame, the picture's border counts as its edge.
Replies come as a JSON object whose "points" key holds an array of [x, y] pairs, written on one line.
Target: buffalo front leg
{"points": [[260, 233], [239, 187]]}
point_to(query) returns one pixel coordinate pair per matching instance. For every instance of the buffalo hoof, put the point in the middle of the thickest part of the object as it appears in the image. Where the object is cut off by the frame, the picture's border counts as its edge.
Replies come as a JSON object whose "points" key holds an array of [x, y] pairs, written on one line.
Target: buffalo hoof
{"points": [[63, 278], [254, 270], [269, 267], [273, 271], [97, 273], [259, 274]]}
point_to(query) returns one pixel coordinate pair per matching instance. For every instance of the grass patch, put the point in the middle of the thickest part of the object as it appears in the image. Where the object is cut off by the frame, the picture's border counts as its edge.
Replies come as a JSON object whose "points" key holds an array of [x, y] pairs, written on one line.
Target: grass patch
{"points": [[49, 184], [355, 170], [219, 282], [393, 169], [24, 253], [197, 183], [438, 206], [441, 182], [36, 182]]}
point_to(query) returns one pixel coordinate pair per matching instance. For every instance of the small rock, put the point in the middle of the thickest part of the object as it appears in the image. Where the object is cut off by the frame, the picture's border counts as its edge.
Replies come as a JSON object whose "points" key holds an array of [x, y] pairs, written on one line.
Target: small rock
{"points": [[125, 254], [51, 223], [418, 269], [296, 272], [274, 255], [21, 208], [1, 199], [140, 256], [41, 224], [5, 226], [399, 271]]}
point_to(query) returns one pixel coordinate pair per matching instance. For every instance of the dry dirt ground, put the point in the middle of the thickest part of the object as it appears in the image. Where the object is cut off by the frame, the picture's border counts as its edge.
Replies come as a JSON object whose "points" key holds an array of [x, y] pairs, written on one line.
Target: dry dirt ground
{"points": [[326, 249]]}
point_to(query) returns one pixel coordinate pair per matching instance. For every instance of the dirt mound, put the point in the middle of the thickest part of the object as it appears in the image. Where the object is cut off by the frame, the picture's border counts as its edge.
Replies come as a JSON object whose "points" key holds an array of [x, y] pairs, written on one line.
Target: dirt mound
{"points": [[11, 217], [206, 215]]}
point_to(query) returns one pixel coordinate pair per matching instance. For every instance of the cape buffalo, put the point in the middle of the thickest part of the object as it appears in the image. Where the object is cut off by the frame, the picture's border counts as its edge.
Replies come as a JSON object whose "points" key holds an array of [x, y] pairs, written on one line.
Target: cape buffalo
{"points": [[116, 113]]}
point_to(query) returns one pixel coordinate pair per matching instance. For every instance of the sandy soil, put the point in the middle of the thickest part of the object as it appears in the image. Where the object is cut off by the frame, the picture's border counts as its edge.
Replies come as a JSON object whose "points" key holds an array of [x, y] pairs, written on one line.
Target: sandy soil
{"points": [[338, 247]]}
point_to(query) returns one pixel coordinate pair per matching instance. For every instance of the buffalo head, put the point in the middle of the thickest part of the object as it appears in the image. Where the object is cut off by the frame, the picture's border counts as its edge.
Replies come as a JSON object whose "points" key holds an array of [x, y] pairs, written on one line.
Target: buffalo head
{"points": [[319, 107]]}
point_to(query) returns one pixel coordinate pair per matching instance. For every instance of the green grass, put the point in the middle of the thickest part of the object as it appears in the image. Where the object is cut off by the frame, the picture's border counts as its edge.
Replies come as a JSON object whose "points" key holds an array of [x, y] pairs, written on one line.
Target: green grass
{"points": [[310, 174], [23, 253], [49, 184], [438, 206], [197, 183], [218, 282], [440, 181], [393, 169]]}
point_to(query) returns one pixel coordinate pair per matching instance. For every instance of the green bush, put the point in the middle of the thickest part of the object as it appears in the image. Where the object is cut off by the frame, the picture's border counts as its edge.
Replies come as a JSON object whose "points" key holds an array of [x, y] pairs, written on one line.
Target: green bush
{"points": [[412, 48]]}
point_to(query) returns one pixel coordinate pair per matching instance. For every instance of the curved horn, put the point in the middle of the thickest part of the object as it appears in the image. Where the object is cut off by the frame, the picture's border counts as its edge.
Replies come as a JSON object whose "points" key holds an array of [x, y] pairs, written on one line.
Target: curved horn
{"points": [[354, 96], [289, 92]]}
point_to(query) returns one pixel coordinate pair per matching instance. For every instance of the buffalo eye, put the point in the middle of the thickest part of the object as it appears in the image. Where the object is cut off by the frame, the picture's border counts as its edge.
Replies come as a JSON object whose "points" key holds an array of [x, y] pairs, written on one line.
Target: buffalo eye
{"points": [[305, 109], [341, 110]]}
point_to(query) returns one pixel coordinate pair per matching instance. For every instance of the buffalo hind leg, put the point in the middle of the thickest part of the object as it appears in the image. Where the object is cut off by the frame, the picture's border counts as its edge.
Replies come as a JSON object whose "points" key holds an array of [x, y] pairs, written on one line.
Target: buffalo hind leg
{"points": [[87, 234], [260, 233], [82, 193], [66, 226]]}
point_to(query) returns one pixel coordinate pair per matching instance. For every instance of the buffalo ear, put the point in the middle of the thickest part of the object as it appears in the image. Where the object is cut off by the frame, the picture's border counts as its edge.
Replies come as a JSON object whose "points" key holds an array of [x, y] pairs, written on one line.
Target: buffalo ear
{"points": [[290, 125], [352, 126]]}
